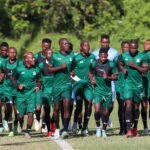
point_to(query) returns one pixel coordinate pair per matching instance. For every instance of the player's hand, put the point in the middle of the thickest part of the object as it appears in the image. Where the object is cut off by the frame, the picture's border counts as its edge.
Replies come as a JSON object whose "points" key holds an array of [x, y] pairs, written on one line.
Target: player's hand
{"points": [[105, 76], [2, 75], [124, 70], [37, 89], [131, 64], [21, 87], [72, 73], [63, 65], [93, 81]]}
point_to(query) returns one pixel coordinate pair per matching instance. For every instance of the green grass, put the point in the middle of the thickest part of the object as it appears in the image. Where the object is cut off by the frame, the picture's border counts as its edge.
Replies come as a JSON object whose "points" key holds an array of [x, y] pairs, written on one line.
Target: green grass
{"points": [[113, 142]]}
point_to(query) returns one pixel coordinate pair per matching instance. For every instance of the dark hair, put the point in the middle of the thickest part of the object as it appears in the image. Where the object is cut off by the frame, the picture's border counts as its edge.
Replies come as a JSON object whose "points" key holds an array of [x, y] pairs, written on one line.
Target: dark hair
{"points": [[124, 42], [134, 41], [104, 36], [62, 39], [5, 44], [103, 50], [12, 48], [47, 40], [83, 42]]}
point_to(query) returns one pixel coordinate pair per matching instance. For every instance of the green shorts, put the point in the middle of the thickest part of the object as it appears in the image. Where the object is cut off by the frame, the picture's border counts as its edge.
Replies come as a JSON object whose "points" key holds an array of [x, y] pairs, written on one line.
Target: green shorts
{"points": [[47, 99], [84, 91], [38, 98], [104, 99], [60, 93], [135, 94], [25, 104]]}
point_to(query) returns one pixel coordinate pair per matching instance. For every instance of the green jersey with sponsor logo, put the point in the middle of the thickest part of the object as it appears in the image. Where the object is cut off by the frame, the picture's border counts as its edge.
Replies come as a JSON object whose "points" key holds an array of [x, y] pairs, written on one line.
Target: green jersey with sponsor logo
{"points": [[134, 77]]}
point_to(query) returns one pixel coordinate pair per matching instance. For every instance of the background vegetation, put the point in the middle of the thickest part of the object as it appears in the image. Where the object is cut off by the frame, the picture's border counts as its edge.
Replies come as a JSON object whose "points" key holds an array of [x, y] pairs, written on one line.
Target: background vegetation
{"points": [[24, 23]]}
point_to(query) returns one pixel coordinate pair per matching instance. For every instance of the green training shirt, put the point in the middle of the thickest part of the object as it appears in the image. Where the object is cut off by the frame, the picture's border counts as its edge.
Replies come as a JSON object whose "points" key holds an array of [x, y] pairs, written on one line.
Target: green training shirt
{"points": [[134, 77], [62, 77], [82, 65]]}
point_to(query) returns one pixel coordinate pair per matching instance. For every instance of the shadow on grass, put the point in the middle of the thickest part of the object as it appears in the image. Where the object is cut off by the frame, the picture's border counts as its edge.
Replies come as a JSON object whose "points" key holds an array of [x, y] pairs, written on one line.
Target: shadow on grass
{"points": [[24, 143]]}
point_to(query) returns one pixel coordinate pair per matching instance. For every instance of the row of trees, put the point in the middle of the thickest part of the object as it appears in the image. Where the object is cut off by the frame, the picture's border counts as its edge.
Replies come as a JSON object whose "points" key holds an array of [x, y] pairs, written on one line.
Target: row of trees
{"points": [[84, 18]]}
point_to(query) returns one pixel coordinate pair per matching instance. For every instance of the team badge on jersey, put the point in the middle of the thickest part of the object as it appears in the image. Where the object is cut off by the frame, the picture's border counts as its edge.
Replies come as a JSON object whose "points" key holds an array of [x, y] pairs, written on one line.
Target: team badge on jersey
{"points": [[81, 62], [34, 73], [22, 72], [138, 60]]}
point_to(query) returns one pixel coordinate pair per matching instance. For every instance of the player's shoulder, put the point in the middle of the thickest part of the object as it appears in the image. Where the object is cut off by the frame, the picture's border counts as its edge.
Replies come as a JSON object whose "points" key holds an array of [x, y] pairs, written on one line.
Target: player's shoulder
{"points": [[78, 56], [111, 63], [37, 54], [125, 54], [92, 56]]}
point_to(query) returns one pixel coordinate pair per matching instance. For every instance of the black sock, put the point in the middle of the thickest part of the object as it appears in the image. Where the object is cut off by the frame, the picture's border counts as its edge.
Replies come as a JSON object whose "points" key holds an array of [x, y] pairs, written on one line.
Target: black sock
{"points": [[38, 113], [43, 122], [66, 123], [105, 118], [10, 125], [21, 121], [128, 118], [80, 126], [97, 118], [144, 118], [86, 118], [136, 117], [16, 120], [28, 128]]}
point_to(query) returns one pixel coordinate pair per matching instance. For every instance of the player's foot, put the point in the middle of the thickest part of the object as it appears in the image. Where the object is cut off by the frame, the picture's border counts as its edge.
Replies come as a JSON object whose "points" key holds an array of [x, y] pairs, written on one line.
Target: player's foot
{"points": [[57, 134], [104, 135], [27, 135], [98, 132], [1, 129], [5, 124], [64, 135], [36, 125], [135, 132], [74, 127], [129, 133], [44, 130], [49, 134], [84, 133], [15, 129], [110, 124], [145, 131], [122, 132], [11, 134], [79, 132]]}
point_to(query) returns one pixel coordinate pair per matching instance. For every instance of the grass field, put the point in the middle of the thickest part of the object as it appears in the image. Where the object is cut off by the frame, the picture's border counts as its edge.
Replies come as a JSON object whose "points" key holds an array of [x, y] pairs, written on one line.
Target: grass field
{"points": [[113, 142]]}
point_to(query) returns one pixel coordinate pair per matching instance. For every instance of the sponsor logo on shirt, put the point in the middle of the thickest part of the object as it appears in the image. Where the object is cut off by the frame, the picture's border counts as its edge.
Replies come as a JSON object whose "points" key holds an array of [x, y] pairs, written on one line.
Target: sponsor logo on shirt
{"points": [[126, 59], [70, 59], [22, 72], [58, 58], [34, 73], [138, 60], [81, 62]]}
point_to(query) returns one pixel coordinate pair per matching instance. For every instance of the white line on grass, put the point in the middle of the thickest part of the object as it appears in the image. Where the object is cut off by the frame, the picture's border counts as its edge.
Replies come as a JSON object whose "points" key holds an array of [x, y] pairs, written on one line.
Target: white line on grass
{"points": [[63, 144]]}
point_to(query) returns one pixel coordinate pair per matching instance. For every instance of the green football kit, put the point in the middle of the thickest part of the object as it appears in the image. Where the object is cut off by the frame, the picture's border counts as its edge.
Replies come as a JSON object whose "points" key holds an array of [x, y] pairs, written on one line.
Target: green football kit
{"points": [[102, 89], [62, 82], [133, 87], [83, 87], [26, 97]]}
